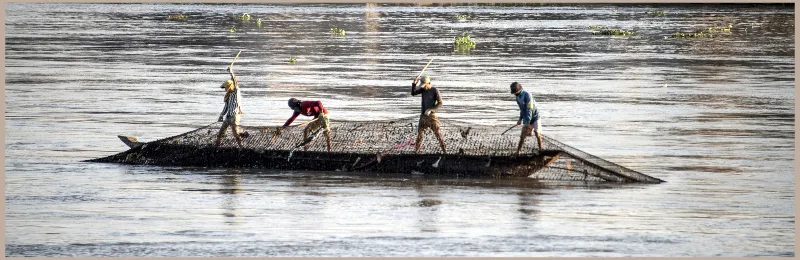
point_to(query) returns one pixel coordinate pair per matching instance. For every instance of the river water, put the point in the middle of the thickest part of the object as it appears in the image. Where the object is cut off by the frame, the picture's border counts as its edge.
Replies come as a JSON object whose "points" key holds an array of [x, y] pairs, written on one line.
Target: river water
{"points": [[714, 117]]}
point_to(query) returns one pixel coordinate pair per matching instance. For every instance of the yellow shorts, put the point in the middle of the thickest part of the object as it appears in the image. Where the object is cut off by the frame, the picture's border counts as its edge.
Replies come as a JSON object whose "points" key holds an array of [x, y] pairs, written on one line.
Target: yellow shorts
{"points": [[322, 122], [231, 121]]}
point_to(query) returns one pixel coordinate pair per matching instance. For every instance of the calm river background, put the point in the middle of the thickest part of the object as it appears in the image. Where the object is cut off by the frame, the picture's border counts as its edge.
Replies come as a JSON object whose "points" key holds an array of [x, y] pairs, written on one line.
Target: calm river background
{"points": [[714, 117]]}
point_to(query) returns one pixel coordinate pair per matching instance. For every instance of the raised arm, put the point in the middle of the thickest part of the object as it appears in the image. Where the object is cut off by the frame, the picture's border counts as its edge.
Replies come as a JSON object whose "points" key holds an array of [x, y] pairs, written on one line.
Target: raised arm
{"points": [[414, 90], [233, 78], [236, 87]]}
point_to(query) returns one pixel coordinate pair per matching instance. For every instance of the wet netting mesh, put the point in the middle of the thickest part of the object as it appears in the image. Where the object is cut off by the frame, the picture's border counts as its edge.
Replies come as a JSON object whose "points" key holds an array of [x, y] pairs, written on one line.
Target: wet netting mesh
{"points": [[397, 137]]}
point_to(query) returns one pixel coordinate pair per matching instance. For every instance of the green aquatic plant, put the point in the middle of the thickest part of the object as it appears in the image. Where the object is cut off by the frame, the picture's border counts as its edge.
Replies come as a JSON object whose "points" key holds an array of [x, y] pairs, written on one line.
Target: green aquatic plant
{"points": [[703, 33], [292, 60], [616, 32], [178, 17], [244, 18], [464, 43], [463, 16], [244, 21], [595, 27], [337, 31], [720, 29], [691, 35], [656, 13]]}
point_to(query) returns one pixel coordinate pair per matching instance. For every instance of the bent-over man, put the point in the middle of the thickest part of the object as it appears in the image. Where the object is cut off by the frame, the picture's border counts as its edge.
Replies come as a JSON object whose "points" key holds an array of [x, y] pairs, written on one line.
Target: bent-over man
{"points": [[311, 108], [528, 115]]}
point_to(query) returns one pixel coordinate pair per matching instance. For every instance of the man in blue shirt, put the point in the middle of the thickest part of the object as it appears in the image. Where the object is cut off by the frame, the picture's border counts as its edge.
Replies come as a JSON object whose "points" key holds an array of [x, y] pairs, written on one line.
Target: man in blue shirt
{"points": [[528, 115]]}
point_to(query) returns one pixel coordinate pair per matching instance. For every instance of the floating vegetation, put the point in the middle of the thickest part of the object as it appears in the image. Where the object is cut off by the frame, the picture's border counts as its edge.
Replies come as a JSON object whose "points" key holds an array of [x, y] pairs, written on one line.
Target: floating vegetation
{"points": [[720, 29], [656, 13], [595, 27], [464, 43], [704, 33], [428, 203], [244, 21], [178, 17], [691, 35], [337, 31], [463, 16], [292, 60], [616, 32], [245, 18]]}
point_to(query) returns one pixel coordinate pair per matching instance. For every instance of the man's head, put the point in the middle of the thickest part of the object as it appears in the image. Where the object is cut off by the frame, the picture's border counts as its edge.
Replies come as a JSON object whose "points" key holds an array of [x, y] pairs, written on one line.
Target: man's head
{"points": [[426, 82], [228, 85], [516, 88], [294, 104]]}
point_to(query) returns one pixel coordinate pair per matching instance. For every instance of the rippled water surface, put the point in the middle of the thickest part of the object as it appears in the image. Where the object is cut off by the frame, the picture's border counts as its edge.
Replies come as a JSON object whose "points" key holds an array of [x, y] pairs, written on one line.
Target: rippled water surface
{"points": [[714, 117]]}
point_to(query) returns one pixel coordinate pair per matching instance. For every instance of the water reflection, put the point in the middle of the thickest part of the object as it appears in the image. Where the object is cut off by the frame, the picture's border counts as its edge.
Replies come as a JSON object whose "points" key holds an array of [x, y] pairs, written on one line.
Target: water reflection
{"points": [[229, 183], [528, 206], [312, 185], [427, 207], [372, 41], [372, 32]]}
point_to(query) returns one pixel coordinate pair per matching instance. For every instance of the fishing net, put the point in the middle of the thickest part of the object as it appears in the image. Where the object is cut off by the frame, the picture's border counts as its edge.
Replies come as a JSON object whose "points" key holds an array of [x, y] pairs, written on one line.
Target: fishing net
{"points": [[558, 161]]}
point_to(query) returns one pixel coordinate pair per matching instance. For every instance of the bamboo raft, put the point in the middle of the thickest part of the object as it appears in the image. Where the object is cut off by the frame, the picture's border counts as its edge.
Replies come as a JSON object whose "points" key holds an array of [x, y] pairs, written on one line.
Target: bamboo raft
{"points": [[382, 147]]}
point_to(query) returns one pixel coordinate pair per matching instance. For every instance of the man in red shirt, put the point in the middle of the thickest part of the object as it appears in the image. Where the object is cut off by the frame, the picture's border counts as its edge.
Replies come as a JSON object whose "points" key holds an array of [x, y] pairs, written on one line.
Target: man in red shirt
{"points": [[311, 108]]}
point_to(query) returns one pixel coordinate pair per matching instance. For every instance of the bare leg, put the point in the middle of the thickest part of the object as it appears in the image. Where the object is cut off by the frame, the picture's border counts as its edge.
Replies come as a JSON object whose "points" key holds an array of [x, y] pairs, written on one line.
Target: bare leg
{"points": [[328, 135], [539, 136], [235, 129], [524, 134], [521, 142], [221, 134], [420, 134], [306, 132], [438, 133]]}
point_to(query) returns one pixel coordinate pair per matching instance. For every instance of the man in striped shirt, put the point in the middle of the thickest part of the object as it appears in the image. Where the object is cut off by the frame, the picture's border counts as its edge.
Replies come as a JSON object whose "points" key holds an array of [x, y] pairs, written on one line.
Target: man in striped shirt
{"points": [[528, 115], [232, 112]]}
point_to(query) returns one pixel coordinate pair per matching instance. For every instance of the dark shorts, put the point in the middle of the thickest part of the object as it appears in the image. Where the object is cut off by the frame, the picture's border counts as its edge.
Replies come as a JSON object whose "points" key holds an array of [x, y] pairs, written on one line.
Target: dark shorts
{"points": [[431, 121], [527, 130]]}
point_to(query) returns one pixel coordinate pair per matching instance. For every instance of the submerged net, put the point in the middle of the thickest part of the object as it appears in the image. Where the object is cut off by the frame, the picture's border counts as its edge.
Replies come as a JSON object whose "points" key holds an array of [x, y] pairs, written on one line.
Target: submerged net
{"points": [[398, 136]]}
